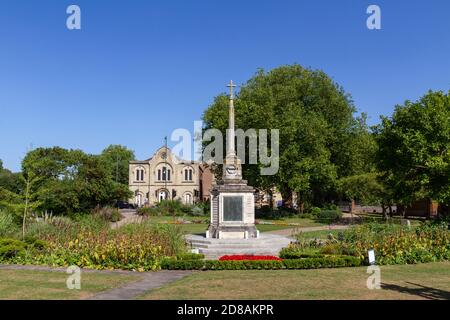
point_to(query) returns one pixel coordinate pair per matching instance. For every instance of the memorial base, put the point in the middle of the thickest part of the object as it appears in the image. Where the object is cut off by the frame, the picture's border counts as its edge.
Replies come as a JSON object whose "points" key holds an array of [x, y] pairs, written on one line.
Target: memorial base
{"points": [[232, 211]]}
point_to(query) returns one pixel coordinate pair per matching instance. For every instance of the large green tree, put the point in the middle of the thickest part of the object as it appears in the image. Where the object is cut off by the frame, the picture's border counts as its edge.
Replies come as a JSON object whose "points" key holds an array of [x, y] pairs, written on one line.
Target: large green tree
{"points": [[320, 140], [414, 149], [71, 181], [117, 158], [9, 180]]}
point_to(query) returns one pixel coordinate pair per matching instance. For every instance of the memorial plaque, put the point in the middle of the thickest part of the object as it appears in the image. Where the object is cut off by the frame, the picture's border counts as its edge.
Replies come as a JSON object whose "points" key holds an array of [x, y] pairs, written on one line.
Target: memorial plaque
{"points": [[232, 208]]}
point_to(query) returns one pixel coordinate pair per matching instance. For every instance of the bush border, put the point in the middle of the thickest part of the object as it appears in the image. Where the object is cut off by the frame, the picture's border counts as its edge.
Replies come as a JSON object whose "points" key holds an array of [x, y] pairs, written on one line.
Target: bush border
{"points": [[305, 263]]}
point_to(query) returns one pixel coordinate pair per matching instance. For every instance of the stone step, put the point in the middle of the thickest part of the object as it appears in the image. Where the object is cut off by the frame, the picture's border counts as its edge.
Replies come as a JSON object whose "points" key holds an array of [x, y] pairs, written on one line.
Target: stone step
{"points": [[267, 244]]}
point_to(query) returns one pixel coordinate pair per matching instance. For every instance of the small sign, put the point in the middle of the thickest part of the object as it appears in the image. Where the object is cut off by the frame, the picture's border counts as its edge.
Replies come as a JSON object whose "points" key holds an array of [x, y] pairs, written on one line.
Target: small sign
{"points": [[371, 256]]}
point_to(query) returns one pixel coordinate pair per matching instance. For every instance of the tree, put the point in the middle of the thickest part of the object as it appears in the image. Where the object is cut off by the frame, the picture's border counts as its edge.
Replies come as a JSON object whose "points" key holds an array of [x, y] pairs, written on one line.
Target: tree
{"points": [[414, 149], [10, 181], [317, 130], [29, 181], [71, 181], [117, 158]]}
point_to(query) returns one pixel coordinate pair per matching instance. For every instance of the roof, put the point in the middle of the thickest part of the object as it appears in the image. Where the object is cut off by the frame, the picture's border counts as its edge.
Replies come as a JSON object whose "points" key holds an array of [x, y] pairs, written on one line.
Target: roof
{"points": [[176, 159]]}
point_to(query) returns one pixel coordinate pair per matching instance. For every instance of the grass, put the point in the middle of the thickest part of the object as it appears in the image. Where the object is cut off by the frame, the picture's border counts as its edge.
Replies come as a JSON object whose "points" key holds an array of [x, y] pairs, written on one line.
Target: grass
{"points": [[303, 222], [378, 217], [51, 285], [421, 281], [199, 228]]}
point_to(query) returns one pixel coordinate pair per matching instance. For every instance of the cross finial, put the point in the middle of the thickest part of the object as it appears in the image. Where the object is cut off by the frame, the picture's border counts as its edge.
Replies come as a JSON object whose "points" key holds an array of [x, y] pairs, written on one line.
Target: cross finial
{"points": [[231, 86]]}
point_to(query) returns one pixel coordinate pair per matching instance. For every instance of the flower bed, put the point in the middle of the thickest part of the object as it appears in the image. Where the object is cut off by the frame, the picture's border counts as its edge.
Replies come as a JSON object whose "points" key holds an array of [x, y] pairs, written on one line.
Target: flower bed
{"points": [[139, 247], [248, 257]]}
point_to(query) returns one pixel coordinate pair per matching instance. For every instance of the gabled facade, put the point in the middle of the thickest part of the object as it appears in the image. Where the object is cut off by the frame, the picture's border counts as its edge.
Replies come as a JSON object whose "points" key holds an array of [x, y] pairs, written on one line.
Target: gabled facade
{"points": [[166, 177]]}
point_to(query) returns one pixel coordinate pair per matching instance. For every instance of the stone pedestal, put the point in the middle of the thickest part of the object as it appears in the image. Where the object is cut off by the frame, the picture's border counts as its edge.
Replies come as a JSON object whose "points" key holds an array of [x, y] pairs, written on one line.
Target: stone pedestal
{"points": [[232, 211], [232, 200]]}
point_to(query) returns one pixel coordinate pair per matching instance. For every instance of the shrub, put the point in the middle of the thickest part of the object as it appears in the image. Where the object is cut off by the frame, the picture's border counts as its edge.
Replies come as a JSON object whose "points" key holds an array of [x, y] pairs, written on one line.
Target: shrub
{"points": [[331, 248], [330, 206], [323, 262], [294, 253], [133, 247], [197, 211], [190, 256], [397, 244], [8, 225], [173, 237], [170, 207], [315, 211], [302, 242], [307, 263], [89, 222], [329, 216], [10, 248], [116, 216], [149, 212], [172, 264], [36, 243], [107, 214], [266, 212]]}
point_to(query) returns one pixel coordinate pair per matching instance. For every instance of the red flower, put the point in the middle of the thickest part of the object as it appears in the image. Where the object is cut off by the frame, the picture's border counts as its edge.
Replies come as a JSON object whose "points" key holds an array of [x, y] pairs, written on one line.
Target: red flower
{"points": [[248, 257]]}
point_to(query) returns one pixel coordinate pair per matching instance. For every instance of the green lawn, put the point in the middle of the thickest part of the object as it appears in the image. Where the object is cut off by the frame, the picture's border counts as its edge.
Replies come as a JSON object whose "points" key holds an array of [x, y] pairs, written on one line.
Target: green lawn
{"points": [[422, 281], [49, 285], [303, 222], [198, 228], [377, 217]]}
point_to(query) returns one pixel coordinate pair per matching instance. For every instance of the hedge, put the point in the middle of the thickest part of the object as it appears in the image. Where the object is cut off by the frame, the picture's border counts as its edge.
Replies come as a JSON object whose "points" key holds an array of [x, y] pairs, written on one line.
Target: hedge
{"points": [[285, 254], [190, 256], [306, 263]]}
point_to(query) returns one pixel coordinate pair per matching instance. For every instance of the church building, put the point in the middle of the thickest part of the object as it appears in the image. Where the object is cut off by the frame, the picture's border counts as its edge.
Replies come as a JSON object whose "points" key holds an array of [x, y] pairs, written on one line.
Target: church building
{"points": [[167, 177]]}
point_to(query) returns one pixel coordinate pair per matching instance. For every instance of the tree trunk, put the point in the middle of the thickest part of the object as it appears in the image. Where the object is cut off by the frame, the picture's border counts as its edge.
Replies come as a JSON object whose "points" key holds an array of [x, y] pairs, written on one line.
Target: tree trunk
{"points": [[352, 206], [385, 216], [25, 210], [300, 203], [402, 211], [271, 199]]}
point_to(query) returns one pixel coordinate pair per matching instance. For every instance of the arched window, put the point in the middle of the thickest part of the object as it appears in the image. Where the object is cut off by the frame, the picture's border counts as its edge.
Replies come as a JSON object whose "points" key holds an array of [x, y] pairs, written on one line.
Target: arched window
{"points": [[139, 174], [188, 173], [163, 174]]}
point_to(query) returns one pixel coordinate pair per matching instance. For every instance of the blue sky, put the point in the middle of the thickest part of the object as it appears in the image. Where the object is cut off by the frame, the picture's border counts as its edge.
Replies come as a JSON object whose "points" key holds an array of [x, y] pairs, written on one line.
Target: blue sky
{"points": [[137, 70]]}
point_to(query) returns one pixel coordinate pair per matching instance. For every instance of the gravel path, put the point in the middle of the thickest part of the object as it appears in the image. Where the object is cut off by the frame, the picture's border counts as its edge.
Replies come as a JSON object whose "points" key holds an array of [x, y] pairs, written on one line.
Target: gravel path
{"points": [[150, 281], [129, 216]]}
